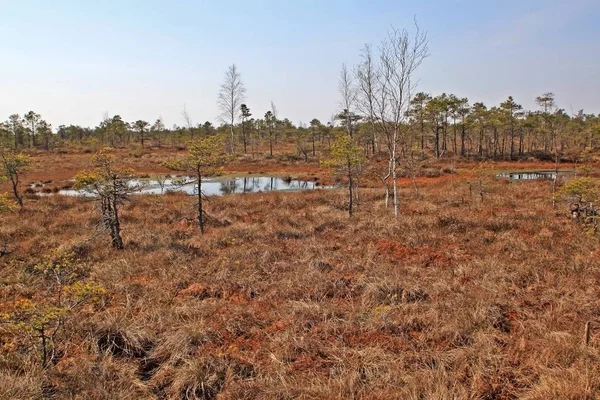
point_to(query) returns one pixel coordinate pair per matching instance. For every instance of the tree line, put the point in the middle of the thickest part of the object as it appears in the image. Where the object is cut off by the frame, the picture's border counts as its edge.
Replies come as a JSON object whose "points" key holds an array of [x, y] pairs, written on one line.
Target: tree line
{"points": [[438, 126], [447, 123]]}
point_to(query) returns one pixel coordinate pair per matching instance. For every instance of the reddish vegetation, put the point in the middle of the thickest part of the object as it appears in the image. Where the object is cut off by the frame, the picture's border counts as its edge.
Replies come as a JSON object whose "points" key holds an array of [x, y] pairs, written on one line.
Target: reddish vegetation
{"points": [[292, 299], [59, 168]]}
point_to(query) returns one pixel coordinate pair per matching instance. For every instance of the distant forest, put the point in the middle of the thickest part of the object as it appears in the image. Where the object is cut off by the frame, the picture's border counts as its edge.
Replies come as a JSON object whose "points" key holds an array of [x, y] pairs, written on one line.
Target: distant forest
{"points": [[440, 126]]}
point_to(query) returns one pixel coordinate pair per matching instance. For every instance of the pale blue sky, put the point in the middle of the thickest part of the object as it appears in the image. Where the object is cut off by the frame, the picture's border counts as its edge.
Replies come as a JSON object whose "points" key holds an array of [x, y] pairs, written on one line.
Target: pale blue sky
{"points": [[72, 61]]}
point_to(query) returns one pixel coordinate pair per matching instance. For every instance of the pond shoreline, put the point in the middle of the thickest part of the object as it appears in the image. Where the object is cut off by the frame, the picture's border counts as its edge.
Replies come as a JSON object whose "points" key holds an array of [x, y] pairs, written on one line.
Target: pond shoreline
{"points": [[212, 186]]}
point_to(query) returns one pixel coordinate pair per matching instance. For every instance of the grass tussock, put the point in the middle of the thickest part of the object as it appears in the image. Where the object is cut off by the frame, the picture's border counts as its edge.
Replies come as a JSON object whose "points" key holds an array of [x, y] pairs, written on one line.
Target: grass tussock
{"points": [[286, 297]]}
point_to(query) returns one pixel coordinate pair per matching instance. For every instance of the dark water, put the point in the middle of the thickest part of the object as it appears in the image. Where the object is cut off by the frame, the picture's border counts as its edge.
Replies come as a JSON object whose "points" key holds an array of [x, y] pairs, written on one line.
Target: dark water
{"points": [[214, 186]]}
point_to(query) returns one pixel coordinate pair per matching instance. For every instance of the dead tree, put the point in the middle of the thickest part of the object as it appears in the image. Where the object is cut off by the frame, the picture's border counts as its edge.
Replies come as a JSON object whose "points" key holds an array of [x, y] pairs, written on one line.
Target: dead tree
{"points": [[110, 187]]}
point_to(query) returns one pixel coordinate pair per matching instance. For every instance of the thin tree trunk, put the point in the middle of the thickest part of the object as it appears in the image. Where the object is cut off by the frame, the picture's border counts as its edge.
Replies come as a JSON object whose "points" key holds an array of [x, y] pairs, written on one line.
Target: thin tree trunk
{"points": [[350, 194], [512, 141], [414, 180], [393, 171], [15, 187], [374, 140], [422, 138], [200, 213], [480, 150], [117, 241], [454, 133], [244, 140], [387, 186], [462, 140], [232, 145]]}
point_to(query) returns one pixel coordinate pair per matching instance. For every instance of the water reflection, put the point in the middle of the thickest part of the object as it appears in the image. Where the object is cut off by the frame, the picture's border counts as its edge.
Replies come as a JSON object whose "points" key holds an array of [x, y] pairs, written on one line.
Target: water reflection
{"points": [[215, 186], [528, 175], [227, 187]]}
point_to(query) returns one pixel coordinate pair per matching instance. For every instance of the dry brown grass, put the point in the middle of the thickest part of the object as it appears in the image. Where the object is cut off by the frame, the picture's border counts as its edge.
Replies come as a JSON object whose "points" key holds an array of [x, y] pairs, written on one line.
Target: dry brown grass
{"points": [[290, 298]]}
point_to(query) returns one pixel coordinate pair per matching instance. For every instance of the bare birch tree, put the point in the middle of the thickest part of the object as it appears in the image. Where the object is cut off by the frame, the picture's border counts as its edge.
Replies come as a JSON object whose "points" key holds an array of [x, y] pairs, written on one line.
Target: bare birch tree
{"points": [[350, 118], [188, 121], [386, 90], [271, 123], [231, 96], [348, 102], [366, 81]]}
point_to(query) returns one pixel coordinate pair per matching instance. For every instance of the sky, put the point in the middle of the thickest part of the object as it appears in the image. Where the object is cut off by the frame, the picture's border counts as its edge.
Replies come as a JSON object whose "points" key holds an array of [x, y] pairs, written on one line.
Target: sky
{"points": [[74, 61]]}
